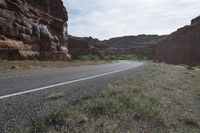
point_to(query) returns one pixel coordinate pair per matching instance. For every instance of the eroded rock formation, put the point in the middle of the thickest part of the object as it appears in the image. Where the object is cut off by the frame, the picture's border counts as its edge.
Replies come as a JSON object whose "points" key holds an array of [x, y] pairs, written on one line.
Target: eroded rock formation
{"points": [[182, 46], [82, 46], [140, 45], [33, 29]]}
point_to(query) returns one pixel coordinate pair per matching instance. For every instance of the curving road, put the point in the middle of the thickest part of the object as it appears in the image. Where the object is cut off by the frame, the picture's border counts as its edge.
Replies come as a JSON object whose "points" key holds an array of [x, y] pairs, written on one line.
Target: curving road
{"points": [[26, 95]]}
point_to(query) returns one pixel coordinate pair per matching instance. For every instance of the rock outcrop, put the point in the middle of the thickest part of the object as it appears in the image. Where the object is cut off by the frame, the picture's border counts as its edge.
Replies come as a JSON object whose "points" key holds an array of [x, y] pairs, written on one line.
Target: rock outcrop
{"points": [[82, 46], [182, 46], [33, 29]]}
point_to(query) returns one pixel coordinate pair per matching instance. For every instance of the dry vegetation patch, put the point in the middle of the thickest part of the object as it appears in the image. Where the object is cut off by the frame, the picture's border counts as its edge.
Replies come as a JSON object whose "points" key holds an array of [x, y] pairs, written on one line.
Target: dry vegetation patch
{"points": [[165, 98]]}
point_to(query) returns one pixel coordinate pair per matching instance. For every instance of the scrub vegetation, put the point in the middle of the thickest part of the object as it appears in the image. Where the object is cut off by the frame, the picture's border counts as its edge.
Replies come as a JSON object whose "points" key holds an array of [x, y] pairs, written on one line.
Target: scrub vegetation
{"points": [[164, 98], [114, 57]]}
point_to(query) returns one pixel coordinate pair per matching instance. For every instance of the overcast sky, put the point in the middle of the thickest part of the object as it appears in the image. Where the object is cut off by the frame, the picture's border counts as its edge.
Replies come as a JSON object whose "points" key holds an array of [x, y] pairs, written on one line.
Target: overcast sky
{"points": [[104, 19]]}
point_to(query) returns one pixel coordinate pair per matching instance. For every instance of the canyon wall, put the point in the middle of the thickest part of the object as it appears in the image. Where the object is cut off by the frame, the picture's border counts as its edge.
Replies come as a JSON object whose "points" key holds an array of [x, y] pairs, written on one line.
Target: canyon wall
{"points": [[37, 29], [82, 46], [140, 45], [33, 29], [182, 46], [143, 45]]}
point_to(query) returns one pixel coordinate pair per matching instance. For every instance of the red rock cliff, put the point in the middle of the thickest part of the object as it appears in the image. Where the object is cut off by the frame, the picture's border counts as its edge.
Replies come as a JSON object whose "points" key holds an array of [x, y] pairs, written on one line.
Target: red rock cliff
{"points": [[82, 46], [33, 29], [182, 46]]}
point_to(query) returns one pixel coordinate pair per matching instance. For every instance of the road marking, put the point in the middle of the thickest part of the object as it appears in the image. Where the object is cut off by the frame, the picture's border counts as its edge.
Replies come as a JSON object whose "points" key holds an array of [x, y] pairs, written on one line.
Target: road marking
{"points": [[65, 83]]}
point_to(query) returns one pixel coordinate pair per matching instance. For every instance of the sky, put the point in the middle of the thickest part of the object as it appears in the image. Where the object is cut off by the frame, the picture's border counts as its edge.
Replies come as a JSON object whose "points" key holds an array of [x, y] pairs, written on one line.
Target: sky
{"points": [[105, 19]]}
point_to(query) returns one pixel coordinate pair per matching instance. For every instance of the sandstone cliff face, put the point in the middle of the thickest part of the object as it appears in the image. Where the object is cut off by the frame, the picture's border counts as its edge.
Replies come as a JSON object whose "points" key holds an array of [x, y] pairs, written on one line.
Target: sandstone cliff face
{"points": [[182, 46], [32, 29], [82, 46]]}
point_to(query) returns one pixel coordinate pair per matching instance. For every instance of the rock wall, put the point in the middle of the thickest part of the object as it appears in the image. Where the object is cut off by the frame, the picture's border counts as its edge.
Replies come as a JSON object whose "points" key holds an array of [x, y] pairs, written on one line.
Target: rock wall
{"points": [[182, 46], [33, 29], [82, 46]]}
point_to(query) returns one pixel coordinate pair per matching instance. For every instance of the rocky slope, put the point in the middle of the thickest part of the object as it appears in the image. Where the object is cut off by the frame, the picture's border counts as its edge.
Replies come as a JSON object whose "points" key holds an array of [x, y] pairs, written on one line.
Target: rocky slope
{"points": [[32, 29], [140, 45], [182, 46]]}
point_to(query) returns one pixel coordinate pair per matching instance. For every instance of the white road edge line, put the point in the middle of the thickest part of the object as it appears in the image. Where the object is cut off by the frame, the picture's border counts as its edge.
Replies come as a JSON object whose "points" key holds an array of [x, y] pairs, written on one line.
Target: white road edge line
{"points": [[65, 83]]}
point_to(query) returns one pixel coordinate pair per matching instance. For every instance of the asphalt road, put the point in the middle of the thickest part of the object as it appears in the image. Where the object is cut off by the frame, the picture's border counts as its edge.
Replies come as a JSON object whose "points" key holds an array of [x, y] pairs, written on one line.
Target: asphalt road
{"points": [[24, 96]]}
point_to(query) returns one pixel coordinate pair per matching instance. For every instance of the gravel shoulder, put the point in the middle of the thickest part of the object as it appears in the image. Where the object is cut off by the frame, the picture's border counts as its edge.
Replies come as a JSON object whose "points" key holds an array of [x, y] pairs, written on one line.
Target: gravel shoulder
{"points": [[161, 98], [20, 66], [22, 110]]}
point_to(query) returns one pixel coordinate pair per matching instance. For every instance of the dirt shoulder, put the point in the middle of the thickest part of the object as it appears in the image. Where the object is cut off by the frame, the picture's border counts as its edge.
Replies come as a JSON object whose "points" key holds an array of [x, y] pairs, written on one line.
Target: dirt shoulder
{"points": [[7, 66]]}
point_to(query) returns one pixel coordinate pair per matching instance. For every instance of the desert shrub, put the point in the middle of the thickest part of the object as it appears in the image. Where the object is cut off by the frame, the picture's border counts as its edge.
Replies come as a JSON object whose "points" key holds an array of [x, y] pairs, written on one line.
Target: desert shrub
{"points": [[103, 107], [127, 57], [55, 119], [89, 58]]}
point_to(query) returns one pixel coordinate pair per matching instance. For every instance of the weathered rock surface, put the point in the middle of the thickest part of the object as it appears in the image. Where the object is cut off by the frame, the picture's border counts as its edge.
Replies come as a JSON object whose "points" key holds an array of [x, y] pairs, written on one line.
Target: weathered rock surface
{"points": [[140, 45], [32, 29], [182, 46], [82, 46]]}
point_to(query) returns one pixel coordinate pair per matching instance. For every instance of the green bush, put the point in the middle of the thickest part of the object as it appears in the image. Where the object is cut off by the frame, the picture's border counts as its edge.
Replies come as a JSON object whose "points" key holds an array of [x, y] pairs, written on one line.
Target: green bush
{"points": [[115, 57], [127, 57], [123, 57], [89, 58], [102, 107]]}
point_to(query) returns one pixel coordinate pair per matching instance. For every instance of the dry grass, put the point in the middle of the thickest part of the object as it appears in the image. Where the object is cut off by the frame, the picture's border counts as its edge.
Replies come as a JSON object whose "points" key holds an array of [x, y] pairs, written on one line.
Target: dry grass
{"points": [[55, 96], [165, 98]]}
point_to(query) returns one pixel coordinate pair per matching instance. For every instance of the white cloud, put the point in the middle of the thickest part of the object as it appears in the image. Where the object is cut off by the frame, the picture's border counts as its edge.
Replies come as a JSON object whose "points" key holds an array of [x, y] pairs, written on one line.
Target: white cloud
{"points": [[110, 18]]}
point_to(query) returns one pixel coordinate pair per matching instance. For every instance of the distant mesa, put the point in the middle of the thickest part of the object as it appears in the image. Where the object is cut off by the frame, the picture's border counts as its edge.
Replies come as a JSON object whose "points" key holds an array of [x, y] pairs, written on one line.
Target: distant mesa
{"points": [[141, 45]]}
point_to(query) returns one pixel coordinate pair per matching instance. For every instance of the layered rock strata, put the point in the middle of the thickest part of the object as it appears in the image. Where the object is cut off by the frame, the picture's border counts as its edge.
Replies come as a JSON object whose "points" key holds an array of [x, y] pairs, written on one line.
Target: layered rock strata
{"points": [[33, 29]]}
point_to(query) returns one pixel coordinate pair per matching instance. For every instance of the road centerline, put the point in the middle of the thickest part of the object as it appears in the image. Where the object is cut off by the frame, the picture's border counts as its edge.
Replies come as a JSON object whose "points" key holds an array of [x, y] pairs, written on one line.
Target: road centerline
{"points": [[65, 83]]}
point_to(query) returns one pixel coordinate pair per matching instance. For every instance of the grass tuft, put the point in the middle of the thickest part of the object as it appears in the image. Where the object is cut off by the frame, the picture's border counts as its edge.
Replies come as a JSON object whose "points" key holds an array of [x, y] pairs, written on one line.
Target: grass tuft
{"points": [[55, 119], [13, 67], [89, 58]]}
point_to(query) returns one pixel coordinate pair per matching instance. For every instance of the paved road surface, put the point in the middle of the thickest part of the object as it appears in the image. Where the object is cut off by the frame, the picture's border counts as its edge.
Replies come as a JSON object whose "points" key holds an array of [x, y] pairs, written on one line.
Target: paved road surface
{"points": [[26, 95]]}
